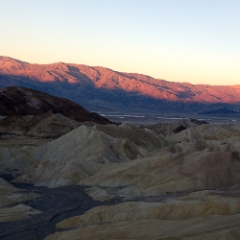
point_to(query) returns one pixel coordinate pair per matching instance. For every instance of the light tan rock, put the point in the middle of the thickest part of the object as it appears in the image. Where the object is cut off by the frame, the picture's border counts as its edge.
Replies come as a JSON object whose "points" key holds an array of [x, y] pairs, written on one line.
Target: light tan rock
{"points": [[79, 154], [53, 126], [193, 216], [139, 164], [156, 229], [169, 173], [16, 213], [11, 207], [10, 195]]}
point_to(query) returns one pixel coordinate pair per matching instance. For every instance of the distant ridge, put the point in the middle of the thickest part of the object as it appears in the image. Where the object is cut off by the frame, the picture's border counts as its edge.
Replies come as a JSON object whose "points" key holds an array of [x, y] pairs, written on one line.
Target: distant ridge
{"points": [[220, 111], [103, 89]]}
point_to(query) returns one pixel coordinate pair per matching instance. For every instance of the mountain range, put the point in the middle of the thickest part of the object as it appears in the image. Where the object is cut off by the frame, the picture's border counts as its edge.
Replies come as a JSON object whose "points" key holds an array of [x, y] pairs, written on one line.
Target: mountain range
{"points": [[68, 173], [105, 90]]}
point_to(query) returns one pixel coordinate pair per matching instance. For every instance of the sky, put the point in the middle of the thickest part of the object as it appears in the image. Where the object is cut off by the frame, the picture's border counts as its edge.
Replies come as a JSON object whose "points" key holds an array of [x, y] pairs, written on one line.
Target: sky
{"points": [[196, 41]]}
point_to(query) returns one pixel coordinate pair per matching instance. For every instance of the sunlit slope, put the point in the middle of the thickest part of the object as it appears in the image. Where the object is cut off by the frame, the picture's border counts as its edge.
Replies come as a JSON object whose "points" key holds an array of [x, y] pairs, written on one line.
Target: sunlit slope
{"points": [[102, 88]]}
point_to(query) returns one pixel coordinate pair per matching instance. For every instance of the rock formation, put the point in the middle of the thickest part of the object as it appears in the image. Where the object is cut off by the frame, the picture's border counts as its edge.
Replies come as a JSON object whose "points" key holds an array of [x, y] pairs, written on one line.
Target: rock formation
{"points": [[23, 101], [160, 181], [11, 203], [92, 181], [30, 117]]}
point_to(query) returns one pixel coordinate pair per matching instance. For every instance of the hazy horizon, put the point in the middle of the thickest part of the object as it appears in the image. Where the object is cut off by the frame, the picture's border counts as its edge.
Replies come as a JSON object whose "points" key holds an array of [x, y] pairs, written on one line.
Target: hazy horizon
{"points": [[177, 41]]}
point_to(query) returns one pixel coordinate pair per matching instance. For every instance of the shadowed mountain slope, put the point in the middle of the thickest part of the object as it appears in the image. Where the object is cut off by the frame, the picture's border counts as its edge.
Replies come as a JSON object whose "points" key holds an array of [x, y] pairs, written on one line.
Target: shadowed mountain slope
{"points": [[24, 101], [102, 89], [30, 118]]}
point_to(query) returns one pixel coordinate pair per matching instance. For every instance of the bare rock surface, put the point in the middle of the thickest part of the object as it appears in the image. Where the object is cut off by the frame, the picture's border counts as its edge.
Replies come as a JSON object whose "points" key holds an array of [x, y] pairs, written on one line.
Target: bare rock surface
{"points": [[44, 125], [29, 117], [78, 154], [140, 183], [51, 206], [170, 128], [188, 217], [220, 227], [11, 203], [24, 101]]}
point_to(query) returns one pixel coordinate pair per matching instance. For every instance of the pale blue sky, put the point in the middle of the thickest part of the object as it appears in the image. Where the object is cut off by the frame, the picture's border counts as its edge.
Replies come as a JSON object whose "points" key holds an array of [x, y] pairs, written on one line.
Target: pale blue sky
{"points": [[195, 41]]}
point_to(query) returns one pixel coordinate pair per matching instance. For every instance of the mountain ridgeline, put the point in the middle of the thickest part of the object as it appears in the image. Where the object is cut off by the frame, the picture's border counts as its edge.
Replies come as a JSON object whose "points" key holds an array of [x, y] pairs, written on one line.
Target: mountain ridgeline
{"points": [[105, 90]]}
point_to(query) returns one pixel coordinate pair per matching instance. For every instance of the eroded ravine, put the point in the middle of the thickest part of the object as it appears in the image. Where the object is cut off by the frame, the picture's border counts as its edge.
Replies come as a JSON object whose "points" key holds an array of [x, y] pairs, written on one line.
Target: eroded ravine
{"points": [[56, 205]]}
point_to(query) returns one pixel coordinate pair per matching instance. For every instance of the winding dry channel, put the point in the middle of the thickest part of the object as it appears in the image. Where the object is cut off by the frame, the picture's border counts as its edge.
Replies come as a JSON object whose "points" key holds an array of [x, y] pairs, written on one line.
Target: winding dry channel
{"points": [[56, 205]]}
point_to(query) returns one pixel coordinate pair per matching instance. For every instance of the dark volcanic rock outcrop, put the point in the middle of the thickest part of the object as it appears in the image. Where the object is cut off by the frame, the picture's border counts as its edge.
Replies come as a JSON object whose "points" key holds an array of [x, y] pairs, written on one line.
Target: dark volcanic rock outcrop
{"points": [[23, 101], [30, 117]]}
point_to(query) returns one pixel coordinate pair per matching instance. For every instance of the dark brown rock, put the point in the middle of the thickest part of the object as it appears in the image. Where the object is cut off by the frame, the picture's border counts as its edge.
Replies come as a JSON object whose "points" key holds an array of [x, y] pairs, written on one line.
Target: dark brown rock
{"points": [[24, 101]]}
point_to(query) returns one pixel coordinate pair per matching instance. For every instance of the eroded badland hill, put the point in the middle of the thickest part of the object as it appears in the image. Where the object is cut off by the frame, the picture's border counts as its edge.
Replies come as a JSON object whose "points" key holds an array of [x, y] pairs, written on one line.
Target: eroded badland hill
{"points": [[104, 181]]}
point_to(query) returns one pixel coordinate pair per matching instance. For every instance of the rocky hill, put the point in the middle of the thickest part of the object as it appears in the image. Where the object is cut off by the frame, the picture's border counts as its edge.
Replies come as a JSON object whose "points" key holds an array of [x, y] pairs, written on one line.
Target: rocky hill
{"points": [[175, 181], [24, 101], [102, 89], [30, 117]]}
